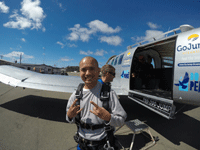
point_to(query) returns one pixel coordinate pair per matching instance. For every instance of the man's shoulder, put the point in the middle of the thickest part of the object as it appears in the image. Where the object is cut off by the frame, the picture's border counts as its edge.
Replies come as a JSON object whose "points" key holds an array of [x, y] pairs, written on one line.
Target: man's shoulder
{"points": [[100, 80], [73, 94]]}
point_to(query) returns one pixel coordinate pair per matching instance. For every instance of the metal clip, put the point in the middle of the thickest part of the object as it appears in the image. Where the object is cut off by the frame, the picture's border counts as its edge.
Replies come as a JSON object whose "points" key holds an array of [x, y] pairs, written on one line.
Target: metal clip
{"points": [[78, 95], [105, 97], [107, 146], [108, 128]]}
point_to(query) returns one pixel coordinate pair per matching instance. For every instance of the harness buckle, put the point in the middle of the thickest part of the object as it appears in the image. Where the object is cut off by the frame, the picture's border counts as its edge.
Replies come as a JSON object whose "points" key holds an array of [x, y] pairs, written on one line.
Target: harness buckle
{"points": [[104, 96], [79, 94], [108, 128], [91, 127]]}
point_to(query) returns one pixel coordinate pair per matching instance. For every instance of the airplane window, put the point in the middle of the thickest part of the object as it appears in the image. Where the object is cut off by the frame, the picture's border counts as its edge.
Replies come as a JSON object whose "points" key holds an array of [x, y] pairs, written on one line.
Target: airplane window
{"points": [[167, 62], [112, 61], [120, 59], [116, 61], [153, 63]]}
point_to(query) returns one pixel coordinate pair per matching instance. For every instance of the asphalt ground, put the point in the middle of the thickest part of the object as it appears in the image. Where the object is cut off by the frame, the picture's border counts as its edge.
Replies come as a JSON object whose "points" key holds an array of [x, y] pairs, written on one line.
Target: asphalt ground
{"points": [[35, 120]]}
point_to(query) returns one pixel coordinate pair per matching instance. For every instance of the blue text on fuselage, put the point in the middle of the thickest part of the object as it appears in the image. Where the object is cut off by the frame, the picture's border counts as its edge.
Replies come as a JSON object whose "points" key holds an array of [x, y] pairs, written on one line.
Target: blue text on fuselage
{"points": [[125, 74], [189, 47]]}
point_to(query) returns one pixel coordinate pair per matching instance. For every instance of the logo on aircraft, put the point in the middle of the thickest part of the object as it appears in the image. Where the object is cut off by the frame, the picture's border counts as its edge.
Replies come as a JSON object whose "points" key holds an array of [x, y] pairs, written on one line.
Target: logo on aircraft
{"points": [[193, 37], [128, 53], [192, 85], [190, 46], [125, 74], [183, 85]]}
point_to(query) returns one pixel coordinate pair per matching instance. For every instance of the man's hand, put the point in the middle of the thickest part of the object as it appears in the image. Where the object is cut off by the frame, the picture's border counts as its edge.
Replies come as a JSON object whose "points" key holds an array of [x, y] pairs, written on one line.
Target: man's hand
{"points": [[133, 75], [100, 112], [73, 110]]}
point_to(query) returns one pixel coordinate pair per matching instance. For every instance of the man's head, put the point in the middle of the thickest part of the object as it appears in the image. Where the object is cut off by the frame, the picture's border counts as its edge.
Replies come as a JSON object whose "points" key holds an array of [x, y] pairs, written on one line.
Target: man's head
{"points": [[89, 71], [141, 59], [149, 59], [108, 73]]}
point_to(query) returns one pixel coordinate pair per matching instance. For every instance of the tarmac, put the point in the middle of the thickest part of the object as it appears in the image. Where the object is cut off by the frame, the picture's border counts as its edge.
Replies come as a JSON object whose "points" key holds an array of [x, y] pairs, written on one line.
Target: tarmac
{"points": [[35, 120]]}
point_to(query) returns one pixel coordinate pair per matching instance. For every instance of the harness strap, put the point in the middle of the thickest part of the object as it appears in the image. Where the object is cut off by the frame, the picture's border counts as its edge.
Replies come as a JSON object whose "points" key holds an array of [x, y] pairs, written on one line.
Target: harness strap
{"points": [[79, 95], [91, 126], [92, 142], [105, 95]]}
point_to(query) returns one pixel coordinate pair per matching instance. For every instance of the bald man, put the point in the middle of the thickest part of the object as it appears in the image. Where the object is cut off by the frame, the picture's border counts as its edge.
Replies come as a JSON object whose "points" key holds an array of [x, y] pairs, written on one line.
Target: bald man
{"points": [[91, 133]]}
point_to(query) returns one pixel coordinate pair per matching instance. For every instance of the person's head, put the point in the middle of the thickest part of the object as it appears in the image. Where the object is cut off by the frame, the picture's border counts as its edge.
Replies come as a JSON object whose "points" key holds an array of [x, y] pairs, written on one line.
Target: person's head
{"points": [[108, 73], [89, 71], [141, 59], [149, 59]]}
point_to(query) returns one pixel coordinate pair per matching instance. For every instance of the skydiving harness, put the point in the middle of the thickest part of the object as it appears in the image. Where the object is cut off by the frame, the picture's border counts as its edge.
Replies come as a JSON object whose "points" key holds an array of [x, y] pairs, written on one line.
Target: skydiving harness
{"points": [[104, 97]]}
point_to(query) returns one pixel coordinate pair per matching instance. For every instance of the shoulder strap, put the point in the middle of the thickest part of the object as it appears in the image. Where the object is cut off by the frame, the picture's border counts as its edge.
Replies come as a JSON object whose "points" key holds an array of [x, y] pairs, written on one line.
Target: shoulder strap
{"points": [[79, 91], [79, 95], [105, 95]]}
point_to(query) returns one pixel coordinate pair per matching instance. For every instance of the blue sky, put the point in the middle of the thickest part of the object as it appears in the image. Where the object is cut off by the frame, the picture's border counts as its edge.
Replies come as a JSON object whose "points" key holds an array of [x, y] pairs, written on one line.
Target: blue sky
{"points": [[61, 32]]}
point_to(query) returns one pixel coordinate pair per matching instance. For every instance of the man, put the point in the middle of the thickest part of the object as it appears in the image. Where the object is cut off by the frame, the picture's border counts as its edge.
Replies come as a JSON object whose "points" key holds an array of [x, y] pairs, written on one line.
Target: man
{"points": [[91, 111], [138, 73], [108, 74], [138, 68]]}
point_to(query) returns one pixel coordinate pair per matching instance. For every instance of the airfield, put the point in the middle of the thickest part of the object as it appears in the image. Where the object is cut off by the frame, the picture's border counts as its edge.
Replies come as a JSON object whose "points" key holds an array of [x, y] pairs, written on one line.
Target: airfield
{"points": [[35, 120]]}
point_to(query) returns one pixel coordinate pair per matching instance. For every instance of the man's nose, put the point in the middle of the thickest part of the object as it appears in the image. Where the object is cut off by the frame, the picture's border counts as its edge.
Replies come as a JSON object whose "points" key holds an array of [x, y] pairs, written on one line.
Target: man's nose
{"points": [[88, 72]]}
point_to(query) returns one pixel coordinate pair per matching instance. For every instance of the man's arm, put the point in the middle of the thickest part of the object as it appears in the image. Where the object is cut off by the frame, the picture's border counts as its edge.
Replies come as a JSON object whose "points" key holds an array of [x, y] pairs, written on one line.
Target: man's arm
{"points": [[118, 115], [72, 110]]}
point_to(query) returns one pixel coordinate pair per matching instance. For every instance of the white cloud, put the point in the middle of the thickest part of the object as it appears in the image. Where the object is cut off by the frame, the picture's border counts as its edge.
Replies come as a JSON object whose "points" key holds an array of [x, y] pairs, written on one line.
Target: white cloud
{"points": [[66, 59], [23, 39], [100, 26], [112, 40], [85, 53], [83, 34], [3, 8], [149, 36], [68, 44], [60, 5], [97, 53], [100, 52], [153, 25], [141, 38], [31, 16], [154, 33], [61, 44], [71, 45], [79, 33], [16, 55], [43, 29]]}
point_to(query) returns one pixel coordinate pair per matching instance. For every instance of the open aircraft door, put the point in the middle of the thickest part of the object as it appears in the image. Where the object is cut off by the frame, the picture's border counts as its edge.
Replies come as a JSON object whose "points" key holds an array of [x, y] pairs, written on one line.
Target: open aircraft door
{"points": [[126, 69], [186, 86]]}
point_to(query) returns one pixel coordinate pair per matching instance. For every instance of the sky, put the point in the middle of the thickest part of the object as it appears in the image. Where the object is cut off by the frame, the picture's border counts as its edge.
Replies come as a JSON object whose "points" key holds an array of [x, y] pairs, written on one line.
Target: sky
{"points": [[60, 33]]}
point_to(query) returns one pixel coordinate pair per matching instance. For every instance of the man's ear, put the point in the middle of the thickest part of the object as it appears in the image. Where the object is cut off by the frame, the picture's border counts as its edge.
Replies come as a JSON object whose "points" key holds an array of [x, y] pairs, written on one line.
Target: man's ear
{"points": [[107, 74]]}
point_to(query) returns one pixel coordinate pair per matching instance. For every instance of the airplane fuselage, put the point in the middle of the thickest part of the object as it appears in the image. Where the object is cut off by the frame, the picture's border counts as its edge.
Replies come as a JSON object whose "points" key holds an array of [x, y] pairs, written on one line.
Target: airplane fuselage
{"points": [[175, 76]]}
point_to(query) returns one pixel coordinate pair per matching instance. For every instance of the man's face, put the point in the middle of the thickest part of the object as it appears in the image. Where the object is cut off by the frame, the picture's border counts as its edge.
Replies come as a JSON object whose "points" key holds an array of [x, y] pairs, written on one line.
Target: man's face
{"points": [[89, 71], [142, 60]]}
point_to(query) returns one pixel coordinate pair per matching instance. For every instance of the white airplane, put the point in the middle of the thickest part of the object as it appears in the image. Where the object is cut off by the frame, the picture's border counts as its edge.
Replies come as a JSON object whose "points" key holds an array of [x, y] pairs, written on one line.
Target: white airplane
{"points": [[174, 77]]}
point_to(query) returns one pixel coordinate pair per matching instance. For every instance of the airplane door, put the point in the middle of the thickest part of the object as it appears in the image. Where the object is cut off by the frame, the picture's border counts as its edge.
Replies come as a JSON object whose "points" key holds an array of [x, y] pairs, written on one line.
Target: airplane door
{"points": [[126, 68], [186, 85]]}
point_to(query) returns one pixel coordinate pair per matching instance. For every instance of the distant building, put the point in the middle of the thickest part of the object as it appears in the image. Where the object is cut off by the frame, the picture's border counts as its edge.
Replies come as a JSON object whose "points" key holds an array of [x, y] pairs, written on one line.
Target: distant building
{"points": [[41, 68], [72, 68]]}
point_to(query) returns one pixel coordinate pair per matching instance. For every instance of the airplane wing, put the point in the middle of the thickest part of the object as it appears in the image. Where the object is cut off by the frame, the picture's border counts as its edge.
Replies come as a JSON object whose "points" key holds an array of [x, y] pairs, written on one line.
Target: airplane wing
{"points": [[18, 77]]}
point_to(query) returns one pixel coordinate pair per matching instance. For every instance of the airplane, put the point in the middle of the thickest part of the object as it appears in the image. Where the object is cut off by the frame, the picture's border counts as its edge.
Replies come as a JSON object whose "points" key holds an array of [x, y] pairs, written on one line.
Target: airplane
{"points": [[176, 69]]}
